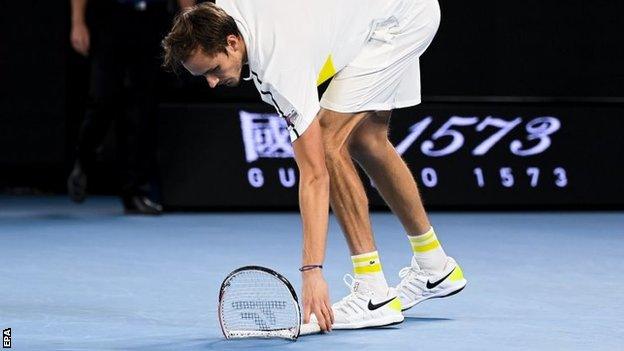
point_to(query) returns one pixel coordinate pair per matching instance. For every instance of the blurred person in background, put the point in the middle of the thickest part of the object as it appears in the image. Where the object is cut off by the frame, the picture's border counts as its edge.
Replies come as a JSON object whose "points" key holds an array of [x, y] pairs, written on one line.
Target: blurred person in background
{"points": [[122, 40]]}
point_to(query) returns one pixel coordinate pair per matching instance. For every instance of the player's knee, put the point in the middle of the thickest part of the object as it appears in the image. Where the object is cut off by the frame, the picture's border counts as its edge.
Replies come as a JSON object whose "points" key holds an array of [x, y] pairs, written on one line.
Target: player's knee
{"points": [[368, 144]]}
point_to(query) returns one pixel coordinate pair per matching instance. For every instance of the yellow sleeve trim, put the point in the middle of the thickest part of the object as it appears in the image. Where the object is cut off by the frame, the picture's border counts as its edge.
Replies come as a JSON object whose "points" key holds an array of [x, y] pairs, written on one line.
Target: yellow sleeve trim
{"points": [[327, 71]]}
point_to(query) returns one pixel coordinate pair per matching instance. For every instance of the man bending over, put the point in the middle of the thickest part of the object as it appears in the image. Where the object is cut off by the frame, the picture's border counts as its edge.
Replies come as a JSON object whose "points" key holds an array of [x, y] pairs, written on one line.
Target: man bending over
{"points": [[371, 48]]}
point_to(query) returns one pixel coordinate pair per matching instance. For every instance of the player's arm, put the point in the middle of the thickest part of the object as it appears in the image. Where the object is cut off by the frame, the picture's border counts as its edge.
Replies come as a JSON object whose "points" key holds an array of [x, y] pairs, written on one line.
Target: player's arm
{"points": [[80, 38], [314, 207], [293, 90]]}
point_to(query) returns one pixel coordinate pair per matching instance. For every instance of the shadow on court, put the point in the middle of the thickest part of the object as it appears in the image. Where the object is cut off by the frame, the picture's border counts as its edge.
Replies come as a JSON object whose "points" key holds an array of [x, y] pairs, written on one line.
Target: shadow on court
{"points": [[419, 320]]}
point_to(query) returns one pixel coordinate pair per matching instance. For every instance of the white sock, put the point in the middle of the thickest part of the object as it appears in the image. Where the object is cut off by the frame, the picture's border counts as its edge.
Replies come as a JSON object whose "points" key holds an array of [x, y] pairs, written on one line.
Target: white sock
{"points": [[428, 252], [367, 267]]}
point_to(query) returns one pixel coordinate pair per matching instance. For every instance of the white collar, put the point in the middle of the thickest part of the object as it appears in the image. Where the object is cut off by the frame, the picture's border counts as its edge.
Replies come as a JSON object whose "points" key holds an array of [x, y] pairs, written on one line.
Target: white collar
{"points": [[249, 49]]}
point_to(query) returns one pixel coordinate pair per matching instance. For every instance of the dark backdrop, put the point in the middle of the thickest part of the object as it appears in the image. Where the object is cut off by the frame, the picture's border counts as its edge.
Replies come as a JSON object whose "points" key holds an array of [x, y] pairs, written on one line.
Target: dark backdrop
{"points": [[33, 92], [527, 48], [485, 51]]}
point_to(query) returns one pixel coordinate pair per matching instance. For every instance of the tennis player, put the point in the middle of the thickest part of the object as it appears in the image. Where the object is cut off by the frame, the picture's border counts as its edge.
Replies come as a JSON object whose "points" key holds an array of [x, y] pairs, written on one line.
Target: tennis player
{"points": [[371, 48]]}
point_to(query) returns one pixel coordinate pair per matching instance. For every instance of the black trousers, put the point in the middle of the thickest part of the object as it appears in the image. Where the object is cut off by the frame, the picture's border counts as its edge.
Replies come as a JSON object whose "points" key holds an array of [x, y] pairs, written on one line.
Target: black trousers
{"points": [[125, 64]]}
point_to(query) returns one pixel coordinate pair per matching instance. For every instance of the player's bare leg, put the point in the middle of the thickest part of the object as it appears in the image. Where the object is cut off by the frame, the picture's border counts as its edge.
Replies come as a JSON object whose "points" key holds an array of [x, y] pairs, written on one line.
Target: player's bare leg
{"points": [[347, 195], [431, 273], [370, 147], [348, 200]]}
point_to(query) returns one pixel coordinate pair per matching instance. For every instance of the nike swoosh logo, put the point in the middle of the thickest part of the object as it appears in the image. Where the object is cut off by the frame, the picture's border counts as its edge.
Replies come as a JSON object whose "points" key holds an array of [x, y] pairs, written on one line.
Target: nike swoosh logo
{"points": [[431, 285], [372, 306]]}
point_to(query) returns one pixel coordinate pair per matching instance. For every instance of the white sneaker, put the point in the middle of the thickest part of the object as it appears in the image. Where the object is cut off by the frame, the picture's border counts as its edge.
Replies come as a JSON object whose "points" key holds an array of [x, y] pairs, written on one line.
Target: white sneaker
{"points": [[417, 285], [365, 308]]}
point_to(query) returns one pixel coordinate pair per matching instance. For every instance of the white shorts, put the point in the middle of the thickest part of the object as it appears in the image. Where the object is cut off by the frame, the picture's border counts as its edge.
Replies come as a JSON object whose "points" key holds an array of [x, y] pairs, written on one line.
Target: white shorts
{"points": [[386, 74]]}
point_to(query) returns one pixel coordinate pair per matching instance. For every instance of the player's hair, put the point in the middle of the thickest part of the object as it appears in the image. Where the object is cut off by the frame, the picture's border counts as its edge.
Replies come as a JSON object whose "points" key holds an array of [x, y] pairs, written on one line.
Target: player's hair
{"points": [[204, 26]]}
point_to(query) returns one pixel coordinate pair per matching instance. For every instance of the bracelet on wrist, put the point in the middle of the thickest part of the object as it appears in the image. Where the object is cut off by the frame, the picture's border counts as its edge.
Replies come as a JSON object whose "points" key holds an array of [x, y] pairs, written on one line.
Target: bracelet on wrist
{"points": [[309, 267]]}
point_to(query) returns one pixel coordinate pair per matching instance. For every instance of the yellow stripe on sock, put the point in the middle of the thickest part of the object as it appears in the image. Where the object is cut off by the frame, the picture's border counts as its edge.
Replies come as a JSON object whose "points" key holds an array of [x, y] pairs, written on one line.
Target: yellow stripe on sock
{"points": [[427, 247], [375, 268], [421, 238], [367, 263], [425, 242]]}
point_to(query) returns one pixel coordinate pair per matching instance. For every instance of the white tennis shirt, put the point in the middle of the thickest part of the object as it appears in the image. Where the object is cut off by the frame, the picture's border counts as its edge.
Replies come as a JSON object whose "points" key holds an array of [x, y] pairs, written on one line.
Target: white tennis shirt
{"points": [[295, 45]]}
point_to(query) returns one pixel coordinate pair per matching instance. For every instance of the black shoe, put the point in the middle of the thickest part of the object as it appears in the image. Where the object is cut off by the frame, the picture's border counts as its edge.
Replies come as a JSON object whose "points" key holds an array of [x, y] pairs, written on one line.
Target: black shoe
{"points": [[77, 184], [139, 204]]}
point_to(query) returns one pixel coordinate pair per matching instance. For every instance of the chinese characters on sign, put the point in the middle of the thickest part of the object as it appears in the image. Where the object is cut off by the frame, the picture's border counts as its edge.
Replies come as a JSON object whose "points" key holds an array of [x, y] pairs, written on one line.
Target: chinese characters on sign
{"points": [[265, 135]]}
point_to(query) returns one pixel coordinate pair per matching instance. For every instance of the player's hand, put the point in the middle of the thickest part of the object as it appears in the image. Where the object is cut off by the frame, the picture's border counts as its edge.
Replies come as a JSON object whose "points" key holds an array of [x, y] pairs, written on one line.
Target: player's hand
{"points": [[316, 299], [80, 38]]}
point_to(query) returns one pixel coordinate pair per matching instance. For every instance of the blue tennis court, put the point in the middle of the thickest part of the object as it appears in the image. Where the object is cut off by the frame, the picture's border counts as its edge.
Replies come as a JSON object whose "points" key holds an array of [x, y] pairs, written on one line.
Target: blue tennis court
{"points": [[89, 278]]}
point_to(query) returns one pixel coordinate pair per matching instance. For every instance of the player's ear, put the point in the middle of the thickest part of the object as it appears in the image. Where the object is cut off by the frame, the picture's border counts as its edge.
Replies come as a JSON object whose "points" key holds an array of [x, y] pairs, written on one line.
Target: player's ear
{"points": [[233, 41]]}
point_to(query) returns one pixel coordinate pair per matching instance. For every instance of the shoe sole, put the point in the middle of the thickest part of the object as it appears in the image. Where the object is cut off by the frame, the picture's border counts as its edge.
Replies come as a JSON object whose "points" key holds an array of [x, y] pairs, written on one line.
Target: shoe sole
{"points": [[439, 295], [380, 322]]}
